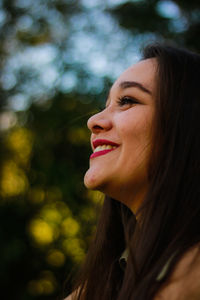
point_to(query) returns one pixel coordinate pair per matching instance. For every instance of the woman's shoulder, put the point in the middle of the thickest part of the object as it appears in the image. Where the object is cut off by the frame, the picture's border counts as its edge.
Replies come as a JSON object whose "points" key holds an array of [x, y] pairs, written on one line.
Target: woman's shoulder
{"points": [[184, 281]]}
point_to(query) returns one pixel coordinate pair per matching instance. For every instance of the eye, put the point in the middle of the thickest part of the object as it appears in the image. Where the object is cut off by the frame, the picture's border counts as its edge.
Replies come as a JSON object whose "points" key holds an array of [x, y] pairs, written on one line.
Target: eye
{"points": [[126, 100]]}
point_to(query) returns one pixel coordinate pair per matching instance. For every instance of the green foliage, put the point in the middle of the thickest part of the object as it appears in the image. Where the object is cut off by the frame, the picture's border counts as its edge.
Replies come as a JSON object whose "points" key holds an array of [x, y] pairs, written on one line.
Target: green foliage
{"points": [[141, 17], [176, 21]]}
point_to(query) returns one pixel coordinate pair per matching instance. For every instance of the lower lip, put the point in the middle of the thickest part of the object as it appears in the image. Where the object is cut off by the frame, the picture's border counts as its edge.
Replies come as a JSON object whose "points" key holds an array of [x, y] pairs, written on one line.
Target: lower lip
{"points": [[95, 154]]}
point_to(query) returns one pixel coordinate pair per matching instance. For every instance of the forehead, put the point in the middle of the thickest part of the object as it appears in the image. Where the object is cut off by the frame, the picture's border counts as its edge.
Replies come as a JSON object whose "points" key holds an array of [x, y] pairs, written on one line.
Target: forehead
{"points": [[142, 72]]}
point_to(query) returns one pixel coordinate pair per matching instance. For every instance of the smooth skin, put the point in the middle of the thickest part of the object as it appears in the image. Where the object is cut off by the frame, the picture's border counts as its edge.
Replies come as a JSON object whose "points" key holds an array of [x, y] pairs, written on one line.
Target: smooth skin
{"points": [[122, 173]]}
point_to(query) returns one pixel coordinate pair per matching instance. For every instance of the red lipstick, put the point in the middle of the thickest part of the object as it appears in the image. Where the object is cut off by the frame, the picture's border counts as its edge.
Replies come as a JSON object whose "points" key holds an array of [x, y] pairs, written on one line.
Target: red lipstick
{"points": [[101, 142], [95, 154]]}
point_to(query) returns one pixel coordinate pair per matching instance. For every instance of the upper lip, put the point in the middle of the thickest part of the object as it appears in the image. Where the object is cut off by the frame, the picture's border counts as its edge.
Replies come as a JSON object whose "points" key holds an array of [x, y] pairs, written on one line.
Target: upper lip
{"points": [[100, 142]]}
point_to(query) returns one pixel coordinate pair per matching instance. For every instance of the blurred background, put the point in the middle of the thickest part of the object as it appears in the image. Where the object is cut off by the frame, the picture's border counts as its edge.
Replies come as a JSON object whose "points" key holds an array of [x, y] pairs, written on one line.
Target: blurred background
{"points": [[58, 59]]}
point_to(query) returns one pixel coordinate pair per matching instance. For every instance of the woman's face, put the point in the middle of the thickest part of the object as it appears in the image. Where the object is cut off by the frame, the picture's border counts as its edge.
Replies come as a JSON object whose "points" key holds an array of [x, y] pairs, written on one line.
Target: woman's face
{"points": [[121, 136]]}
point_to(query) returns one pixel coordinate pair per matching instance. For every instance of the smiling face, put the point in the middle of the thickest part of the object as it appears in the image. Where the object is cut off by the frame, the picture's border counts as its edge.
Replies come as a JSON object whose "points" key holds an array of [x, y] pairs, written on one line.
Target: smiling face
{"points": [[121, 136]]}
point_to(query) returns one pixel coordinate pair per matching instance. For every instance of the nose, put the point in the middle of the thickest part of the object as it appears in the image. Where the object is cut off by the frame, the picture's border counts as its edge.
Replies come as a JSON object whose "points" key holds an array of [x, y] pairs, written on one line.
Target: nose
{"points": [[99, 122]]}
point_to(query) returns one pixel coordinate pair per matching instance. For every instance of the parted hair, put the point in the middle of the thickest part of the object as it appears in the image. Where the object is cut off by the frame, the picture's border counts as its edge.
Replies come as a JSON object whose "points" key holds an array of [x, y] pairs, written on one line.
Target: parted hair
{"points": [[169, 218]]}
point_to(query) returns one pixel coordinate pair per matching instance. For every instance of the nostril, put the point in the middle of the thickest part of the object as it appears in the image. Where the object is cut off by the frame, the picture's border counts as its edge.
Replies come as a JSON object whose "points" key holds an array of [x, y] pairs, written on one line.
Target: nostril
{"points": [[97, 127]]}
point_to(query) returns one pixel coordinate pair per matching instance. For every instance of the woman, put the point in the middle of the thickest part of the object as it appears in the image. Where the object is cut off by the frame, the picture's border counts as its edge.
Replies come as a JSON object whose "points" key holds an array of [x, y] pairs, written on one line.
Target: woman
{"points": [[146, 160]]}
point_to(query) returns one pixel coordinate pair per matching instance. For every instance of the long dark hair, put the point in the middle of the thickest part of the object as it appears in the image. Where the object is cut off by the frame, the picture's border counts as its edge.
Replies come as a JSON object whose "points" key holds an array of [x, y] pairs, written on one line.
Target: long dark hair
{"points": [[169, 219]]}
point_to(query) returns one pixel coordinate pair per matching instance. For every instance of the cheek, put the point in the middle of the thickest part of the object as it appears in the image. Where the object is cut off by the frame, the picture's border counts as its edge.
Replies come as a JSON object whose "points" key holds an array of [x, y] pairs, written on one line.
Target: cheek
{"points": [[135, 127], [136, 135]]}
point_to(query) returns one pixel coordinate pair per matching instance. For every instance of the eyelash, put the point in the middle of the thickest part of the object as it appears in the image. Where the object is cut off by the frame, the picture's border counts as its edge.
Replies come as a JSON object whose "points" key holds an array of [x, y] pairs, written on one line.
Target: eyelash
{"points": [[126, 100], [121, 102]]}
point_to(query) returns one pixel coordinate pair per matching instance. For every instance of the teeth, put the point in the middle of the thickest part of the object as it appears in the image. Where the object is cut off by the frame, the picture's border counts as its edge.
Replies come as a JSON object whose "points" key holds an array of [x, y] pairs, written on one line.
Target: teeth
{"points": [[104, 147]]}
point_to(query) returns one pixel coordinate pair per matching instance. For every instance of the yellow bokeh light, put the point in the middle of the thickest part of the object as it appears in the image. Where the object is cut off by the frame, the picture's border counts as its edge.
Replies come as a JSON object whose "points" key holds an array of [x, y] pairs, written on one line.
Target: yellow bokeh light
{"points": [[63, 209], [53, 220], [41, 232], [55, 212], [95, 197], [50, 214], [45, 285], [20, 141], [74, 248], [13, 180], [55, 258], [70, 227], [35, 287]]}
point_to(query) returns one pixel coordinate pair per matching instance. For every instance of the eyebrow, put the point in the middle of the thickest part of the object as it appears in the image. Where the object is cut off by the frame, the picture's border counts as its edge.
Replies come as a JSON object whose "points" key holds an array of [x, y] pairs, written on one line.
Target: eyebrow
{"points": [[129, 84]]}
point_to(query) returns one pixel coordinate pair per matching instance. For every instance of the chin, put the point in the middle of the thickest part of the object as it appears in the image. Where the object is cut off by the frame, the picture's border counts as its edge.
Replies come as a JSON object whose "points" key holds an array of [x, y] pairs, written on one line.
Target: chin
{"points": [[92, 182]]}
